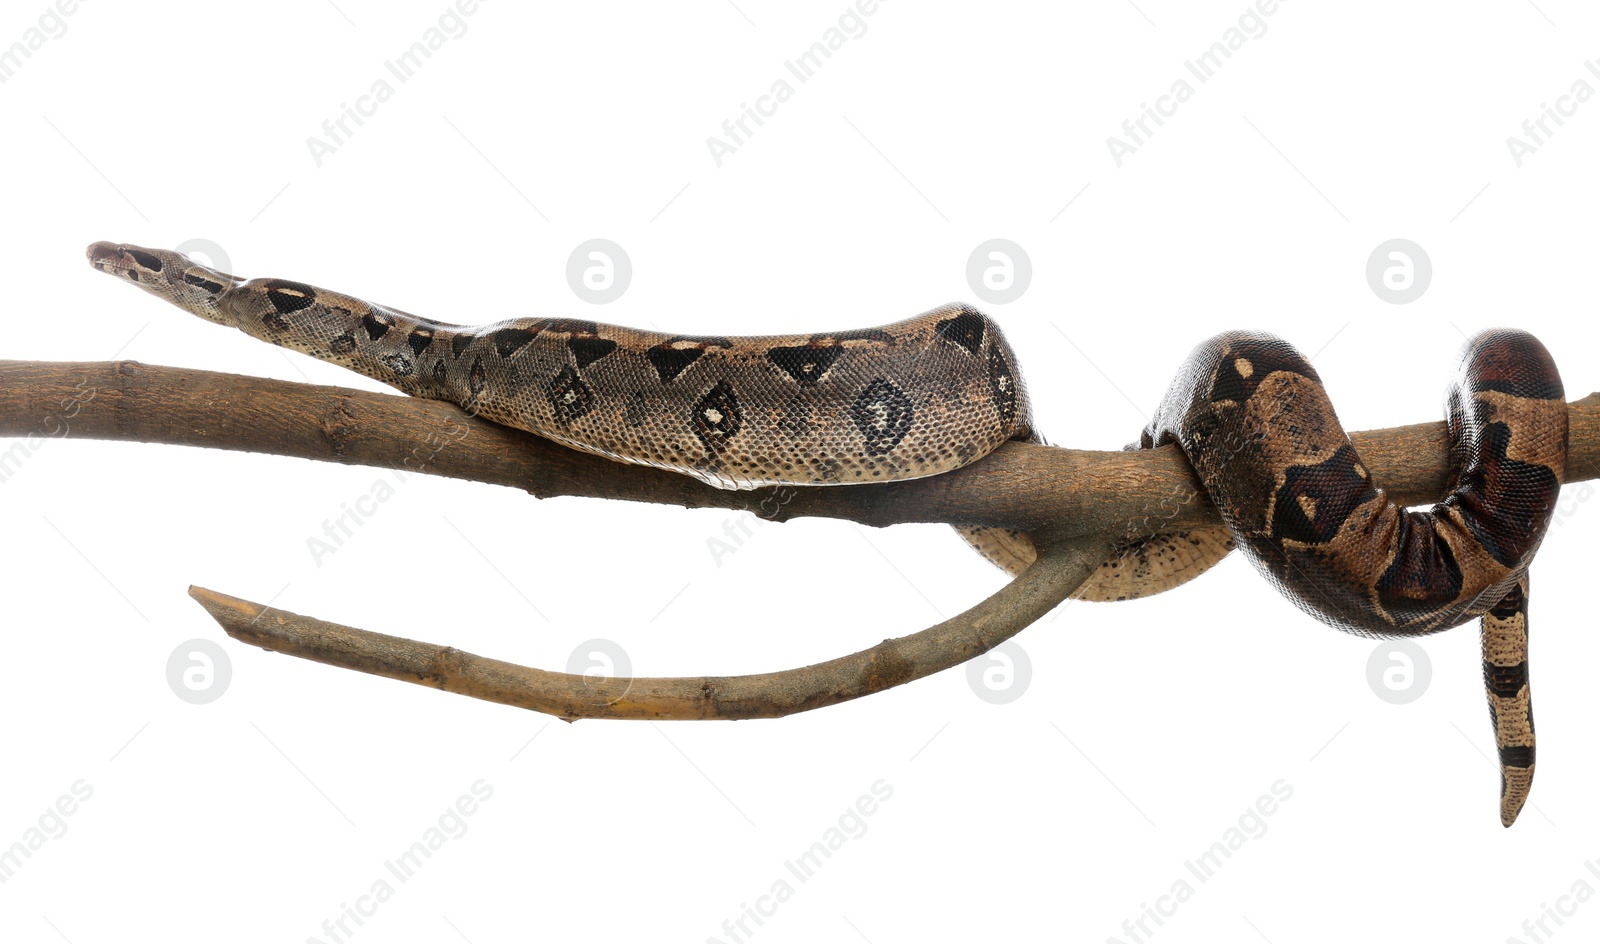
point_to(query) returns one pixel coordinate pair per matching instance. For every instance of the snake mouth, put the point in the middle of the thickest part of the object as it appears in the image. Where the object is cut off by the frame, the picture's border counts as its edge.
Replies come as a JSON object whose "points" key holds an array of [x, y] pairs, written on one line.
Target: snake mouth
{"points": [[121, 261], [137, 264], [166, 274]]}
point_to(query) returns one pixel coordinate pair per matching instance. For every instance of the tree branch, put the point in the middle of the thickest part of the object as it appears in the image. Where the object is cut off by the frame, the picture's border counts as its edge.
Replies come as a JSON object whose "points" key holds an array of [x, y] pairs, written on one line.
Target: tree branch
{"points": [[1076, 502], [1044, 490], [1058, 571]]}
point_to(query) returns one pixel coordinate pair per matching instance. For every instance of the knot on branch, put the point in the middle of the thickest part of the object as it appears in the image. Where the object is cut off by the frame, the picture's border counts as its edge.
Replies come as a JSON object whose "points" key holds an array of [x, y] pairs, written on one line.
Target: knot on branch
{"points": [[340, 424]]}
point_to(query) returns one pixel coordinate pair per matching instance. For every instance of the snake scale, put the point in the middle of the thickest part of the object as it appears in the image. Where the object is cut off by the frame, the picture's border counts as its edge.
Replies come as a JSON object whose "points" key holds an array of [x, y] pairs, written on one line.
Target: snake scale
{"points": [[936, 392]]}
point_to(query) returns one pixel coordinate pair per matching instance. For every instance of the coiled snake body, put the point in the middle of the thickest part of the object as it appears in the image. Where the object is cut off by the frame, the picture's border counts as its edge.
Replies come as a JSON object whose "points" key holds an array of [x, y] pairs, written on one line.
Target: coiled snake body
{"points": [[936, 392]]}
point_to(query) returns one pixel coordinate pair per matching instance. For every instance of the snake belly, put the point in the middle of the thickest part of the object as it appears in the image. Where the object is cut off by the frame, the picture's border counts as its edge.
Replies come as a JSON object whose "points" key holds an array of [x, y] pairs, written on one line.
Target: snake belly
{"points": [[934, 393]]}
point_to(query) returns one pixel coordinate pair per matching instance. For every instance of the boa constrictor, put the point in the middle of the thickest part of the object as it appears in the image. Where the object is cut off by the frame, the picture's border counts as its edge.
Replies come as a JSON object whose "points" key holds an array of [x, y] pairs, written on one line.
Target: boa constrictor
{"points": [[936, 392]]}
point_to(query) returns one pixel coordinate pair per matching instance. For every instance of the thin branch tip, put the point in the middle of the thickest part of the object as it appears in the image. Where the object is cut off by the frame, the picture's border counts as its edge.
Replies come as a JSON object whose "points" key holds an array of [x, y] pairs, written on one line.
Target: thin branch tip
{"points": [[892, 662]]}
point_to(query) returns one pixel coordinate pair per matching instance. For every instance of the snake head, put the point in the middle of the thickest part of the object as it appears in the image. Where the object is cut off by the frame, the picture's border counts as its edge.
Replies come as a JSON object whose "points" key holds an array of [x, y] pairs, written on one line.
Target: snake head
{"points": [[173, 276]]}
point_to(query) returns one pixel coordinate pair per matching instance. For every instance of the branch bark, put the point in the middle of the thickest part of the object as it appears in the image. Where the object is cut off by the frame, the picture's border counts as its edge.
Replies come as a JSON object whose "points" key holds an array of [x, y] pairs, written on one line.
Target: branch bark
{"points": [[1076, 502], [1050, 491], [1058, 571]]}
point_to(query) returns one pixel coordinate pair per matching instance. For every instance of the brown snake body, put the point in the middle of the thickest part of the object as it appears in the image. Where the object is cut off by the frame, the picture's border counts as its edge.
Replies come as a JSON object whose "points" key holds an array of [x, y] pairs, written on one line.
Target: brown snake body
{"points": [[933, 393]]}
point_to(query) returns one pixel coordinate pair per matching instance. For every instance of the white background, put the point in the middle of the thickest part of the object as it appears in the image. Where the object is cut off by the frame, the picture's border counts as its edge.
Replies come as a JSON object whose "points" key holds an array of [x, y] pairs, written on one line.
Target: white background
{"points": [[1146, 730]]}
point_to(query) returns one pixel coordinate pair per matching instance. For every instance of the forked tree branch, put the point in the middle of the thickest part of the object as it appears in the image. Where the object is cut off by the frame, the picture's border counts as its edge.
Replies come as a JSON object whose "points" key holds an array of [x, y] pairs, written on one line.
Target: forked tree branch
{"points": [[1076, 501]]}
